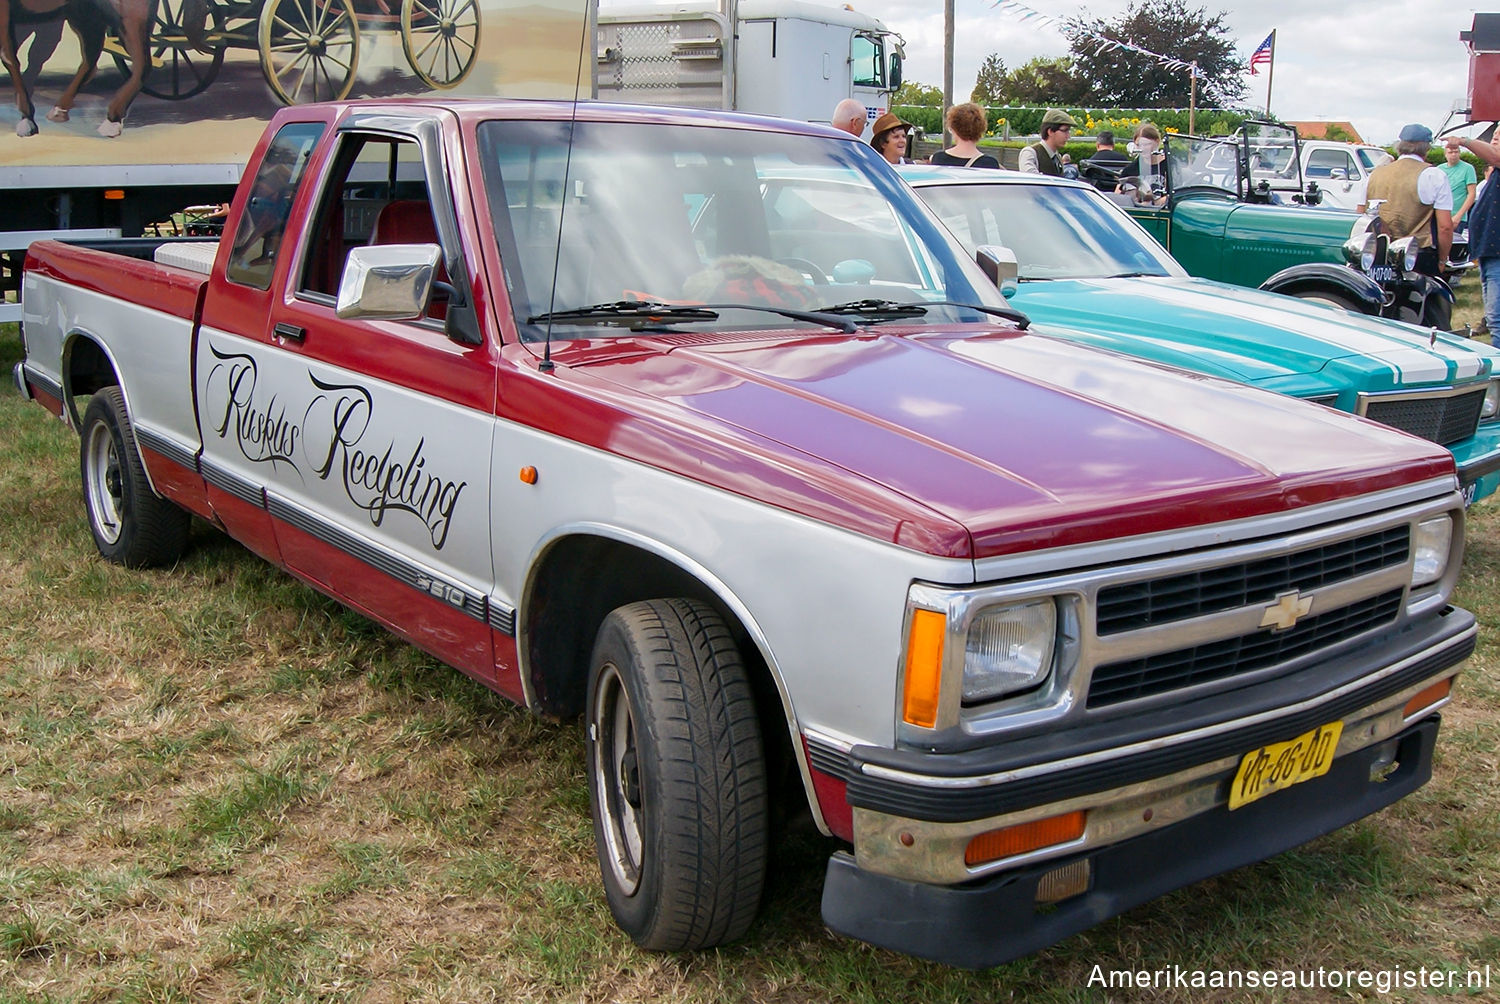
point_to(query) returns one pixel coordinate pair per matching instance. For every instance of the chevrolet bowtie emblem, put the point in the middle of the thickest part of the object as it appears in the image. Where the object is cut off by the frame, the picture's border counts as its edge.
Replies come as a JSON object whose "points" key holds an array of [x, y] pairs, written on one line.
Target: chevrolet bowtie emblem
{"points": [[1285, 611]]}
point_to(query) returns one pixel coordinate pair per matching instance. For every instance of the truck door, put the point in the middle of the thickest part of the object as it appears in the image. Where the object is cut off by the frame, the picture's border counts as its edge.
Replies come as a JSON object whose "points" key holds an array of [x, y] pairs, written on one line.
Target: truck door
{"points": [[380, 489]]}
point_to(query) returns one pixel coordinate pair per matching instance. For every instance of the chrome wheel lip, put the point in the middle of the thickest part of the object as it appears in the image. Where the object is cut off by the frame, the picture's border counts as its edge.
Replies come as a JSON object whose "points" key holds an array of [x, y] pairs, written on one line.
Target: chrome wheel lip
{"points": [[101, 459], [612, 728]]}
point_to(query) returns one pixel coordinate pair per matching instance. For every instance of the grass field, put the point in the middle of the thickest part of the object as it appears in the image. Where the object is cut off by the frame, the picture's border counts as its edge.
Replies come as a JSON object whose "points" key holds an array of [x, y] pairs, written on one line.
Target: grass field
{"points": [[216, 785]]}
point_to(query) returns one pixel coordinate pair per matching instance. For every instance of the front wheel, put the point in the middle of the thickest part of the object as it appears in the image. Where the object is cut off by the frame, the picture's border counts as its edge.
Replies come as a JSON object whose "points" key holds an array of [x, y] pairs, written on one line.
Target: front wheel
{"points": [[131, 525], [677, 779]]}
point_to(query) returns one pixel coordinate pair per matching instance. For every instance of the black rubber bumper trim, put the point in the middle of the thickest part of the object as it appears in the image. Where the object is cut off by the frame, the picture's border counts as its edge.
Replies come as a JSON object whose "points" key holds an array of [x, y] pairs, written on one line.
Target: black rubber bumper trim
{"points": [[992, 922], [913, 800]]}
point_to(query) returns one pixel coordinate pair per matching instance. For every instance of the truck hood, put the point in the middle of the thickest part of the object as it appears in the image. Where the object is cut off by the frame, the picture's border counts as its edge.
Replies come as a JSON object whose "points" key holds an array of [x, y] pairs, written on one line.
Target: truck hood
{"points": [[1246, 334], [1023, 441]]}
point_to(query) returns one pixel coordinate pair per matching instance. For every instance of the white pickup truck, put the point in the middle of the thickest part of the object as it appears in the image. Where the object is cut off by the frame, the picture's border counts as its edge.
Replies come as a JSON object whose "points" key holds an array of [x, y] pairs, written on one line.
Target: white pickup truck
{"points": [[787, 505]]}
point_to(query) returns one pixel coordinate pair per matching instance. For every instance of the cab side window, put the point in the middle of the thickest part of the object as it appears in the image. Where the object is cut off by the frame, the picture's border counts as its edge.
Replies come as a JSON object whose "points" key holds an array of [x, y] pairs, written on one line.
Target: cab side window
{"points": [[257, 240], [376, 194], [1322, 164]]}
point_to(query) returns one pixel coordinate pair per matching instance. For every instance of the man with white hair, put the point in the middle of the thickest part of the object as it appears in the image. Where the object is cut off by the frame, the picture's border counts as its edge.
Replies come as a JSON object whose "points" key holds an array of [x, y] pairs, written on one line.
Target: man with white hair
{"points": [[849, 116], [1415, 199]]}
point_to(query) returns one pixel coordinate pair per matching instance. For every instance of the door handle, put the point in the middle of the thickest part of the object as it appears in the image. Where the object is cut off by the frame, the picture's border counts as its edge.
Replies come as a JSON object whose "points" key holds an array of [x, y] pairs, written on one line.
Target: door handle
{"points": [[291, 332]]}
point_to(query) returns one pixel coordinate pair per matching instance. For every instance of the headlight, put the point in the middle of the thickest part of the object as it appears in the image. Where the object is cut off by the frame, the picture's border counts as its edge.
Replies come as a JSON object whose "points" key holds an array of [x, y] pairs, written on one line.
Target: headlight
{"points": [[1404, 253], [1009, 649], [1433, 544], [1360, 251], [1491, 406]]}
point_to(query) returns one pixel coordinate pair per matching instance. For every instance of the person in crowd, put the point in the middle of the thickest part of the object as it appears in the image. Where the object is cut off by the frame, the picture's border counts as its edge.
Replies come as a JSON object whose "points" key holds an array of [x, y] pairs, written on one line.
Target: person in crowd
{"points": [[1415, 200], [1045, 155], [967, 122], [1462, 181], [849, 115], [1143, 174], [1104, 149], [1484, 228], [888, 136]]}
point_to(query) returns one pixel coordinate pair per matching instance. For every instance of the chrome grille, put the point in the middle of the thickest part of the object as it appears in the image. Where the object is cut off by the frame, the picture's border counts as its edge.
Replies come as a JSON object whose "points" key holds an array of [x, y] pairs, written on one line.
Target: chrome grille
{"points": [[1167, 671], [1442, 420], [1134, 605]]}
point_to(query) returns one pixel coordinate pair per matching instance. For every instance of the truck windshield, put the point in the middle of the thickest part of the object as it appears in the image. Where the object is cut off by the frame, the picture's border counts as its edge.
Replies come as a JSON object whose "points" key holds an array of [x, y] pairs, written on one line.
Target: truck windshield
{"points": [[682, 215]]}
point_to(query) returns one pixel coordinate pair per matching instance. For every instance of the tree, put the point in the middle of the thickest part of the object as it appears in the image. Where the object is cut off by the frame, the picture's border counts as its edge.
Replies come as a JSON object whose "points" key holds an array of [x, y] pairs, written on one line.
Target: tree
{"points": [[1046, 80], [1170, 28], [989, 85], [913, 93], [1337, 133]]}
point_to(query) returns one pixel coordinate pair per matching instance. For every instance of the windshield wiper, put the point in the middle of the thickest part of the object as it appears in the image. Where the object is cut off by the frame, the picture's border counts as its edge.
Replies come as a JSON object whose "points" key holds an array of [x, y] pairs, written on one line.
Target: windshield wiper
{"points": [[641, 314], [628, 313], [890, 310]]}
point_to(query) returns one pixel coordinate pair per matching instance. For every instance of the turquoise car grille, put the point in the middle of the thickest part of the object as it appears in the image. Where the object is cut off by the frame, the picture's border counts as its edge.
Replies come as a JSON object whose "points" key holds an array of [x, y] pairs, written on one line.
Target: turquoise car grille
{"points": [[1158, 674], [1443, 420], [1135, 605]]}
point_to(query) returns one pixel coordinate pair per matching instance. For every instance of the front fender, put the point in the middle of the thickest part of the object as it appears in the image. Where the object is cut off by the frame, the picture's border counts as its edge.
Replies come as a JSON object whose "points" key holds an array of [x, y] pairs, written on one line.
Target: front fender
{"points": [[1325, 277]]}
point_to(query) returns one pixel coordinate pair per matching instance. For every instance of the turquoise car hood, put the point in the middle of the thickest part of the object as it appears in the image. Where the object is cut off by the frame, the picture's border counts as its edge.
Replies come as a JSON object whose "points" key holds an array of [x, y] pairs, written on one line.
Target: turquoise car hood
{"points": [[1247, 335]]}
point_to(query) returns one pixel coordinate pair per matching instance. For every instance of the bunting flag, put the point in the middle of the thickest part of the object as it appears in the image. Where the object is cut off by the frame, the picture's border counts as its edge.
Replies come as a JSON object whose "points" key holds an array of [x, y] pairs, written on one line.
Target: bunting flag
{"points": [[1079, 33], [1263, 53]]}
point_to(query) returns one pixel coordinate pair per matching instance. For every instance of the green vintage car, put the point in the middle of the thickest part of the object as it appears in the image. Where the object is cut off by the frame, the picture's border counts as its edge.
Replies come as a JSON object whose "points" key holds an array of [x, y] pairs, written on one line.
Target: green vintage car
{"points": [[1237, 210]]}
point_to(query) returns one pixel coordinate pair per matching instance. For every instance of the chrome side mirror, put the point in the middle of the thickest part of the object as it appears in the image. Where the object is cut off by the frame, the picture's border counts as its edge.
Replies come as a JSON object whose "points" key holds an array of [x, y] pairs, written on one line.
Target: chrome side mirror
{"points": [[390, 282], [999, 265]]}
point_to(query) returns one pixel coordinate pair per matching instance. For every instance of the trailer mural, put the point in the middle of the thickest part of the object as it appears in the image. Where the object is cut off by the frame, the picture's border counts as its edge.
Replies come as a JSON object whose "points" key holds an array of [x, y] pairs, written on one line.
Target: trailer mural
{"points": [[218, 69]]}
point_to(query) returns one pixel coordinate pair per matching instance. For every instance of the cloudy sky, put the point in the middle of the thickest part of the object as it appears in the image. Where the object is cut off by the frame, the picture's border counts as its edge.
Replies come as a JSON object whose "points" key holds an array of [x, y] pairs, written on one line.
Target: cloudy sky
{"points": [[1376, 63]]}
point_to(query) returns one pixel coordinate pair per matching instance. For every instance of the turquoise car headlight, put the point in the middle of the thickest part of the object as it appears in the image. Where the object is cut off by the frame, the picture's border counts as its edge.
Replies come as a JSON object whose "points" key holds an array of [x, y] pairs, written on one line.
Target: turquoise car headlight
{"points": [[1009, 649], [1433, 544], [1491, 406]]}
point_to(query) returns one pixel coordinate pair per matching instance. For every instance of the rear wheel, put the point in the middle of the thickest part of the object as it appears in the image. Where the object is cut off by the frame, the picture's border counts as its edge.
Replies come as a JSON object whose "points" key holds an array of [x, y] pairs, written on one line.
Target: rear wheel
{"points": [[677, 778], [131, 525]]}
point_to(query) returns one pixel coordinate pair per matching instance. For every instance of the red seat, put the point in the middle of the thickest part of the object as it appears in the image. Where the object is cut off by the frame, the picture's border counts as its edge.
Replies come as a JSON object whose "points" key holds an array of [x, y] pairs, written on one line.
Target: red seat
{"points": [[409, 221]]}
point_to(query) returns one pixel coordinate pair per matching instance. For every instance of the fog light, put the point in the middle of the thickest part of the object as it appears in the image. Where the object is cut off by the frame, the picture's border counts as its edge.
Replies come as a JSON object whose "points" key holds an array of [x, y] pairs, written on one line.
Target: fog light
{"points": [[1024, 837], [1069, 880]]}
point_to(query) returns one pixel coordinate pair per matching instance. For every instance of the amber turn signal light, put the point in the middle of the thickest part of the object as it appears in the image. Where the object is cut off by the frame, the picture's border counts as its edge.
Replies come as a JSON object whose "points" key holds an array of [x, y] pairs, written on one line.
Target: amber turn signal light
{"points": [[923, 678], [1023, 837], [528, 475], [1428, 697]]}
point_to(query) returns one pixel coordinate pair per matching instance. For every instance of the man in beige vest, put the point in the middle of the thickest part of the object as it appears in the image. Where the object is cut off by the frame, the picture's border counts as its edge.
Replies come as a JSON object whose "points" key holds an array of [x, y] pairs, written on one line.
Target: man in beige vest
{"points": [[1415, 199]]}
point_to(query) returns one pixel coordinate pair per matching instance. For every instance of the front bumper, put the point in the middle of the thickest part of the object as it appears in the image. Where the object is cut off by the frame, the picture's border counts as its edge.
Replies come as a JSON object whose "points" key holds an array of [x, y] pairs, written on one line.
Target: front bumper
{"points": [[1478, 461], [994, 921]]}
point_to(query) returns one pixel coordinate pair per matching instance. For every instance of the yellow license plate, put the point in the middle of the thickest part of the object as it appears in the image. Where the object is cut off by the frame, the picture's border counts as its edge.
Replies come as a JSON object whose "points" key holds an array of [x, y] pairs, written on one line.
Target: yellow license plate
{"points": [[1281, 765]]}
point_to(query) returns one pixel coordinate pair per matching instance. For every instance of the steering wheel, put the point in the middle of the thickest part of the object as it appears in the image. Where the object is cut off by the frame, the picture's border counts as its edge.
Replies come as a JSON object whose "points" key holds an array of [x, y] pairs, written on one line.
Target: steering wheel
{"points": [[807, 268]]}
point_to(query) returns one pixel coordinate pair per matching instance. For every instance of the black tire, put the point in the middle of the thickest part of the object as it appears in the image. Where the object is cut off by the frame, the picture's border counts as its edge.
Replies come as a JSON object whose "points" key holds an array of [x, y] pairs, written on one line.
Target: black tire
{"points": [[1438, 313], [677, 778], [131, 525]]}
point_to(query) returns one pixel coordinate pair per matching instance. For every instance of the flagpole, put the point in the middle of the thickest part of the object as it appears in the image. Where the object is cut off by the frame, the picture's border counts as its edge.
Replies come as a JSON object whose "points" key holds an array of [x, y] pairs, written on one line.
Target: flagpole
{"points": [[1192, 98], [1271, 73]]}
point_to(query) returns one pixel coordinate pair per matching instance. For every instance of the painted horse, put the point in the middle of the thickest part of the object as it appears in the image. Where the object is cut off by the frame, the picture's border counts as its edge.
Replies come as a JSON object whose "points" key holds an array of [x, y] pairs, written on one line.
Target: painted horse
{"points": [[91, 20]]}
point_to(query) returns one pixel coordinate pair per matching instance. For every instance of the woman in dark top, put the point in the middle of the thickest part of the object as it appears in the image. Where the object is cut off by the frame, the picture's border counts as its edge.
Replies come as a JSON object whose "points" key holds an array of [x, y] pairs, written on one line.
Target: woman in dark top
{"points": [[967, 122]]}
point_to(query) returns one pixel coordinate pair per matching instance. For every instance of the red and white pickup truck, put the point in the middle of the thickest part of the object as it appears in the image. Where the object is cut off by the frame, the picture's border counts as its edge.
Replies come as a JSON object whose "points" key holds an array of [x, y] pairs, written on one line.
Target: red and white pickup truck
{"points": [[780, 499]]}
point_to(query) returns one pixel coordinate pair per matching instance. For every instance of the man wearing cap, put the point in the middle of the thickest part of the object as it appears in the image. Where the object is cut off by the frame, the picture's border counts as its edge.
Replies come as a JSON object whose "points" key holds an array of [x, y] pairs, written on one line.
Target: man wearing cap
{"points": [[1045, 155], [1415, 199]]}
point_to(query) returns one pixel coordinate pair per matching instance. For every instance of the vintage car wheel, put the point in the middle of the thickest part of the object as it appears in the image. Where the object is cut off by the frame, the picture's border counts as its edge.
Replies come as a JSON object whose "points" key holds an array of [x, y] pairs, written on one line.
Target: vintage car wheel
{"points": [[677, 780], [1332, 299], [130, 524], [441, 39], [309, 49]]}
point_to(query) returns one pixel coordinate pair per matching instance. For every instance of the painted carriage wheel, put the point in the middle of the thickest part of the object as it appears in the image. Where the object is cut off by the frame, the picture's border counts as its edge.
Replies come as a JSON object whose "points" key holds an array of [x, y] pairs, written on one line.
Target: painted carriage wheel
{"points": [[178, 70], [441, 39], [309, 49]]}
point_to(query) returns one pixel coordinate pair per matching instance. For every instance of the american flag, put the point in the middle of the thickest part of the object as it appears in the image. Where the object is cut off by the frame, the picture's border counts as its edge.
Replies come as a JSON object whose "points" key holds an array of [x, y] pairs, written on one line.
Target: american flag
{"points": [[1262, 53]]}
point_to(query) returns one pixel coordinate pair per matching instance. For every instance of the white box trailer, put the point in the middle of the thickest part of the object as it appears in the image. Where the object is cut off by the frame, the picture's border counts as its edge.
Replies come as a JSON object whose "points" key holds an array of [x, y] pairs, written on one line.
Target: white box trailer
{"points": [[774, 57]]}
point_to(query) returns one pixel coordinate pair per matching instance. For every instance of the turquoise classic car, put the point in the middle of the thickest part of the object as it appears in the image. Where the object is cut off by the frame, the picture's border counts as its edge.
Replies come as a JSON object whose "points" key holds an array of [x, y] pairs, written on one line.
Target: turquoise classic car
{"points": [[1238, 210], [1087, 272]]}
